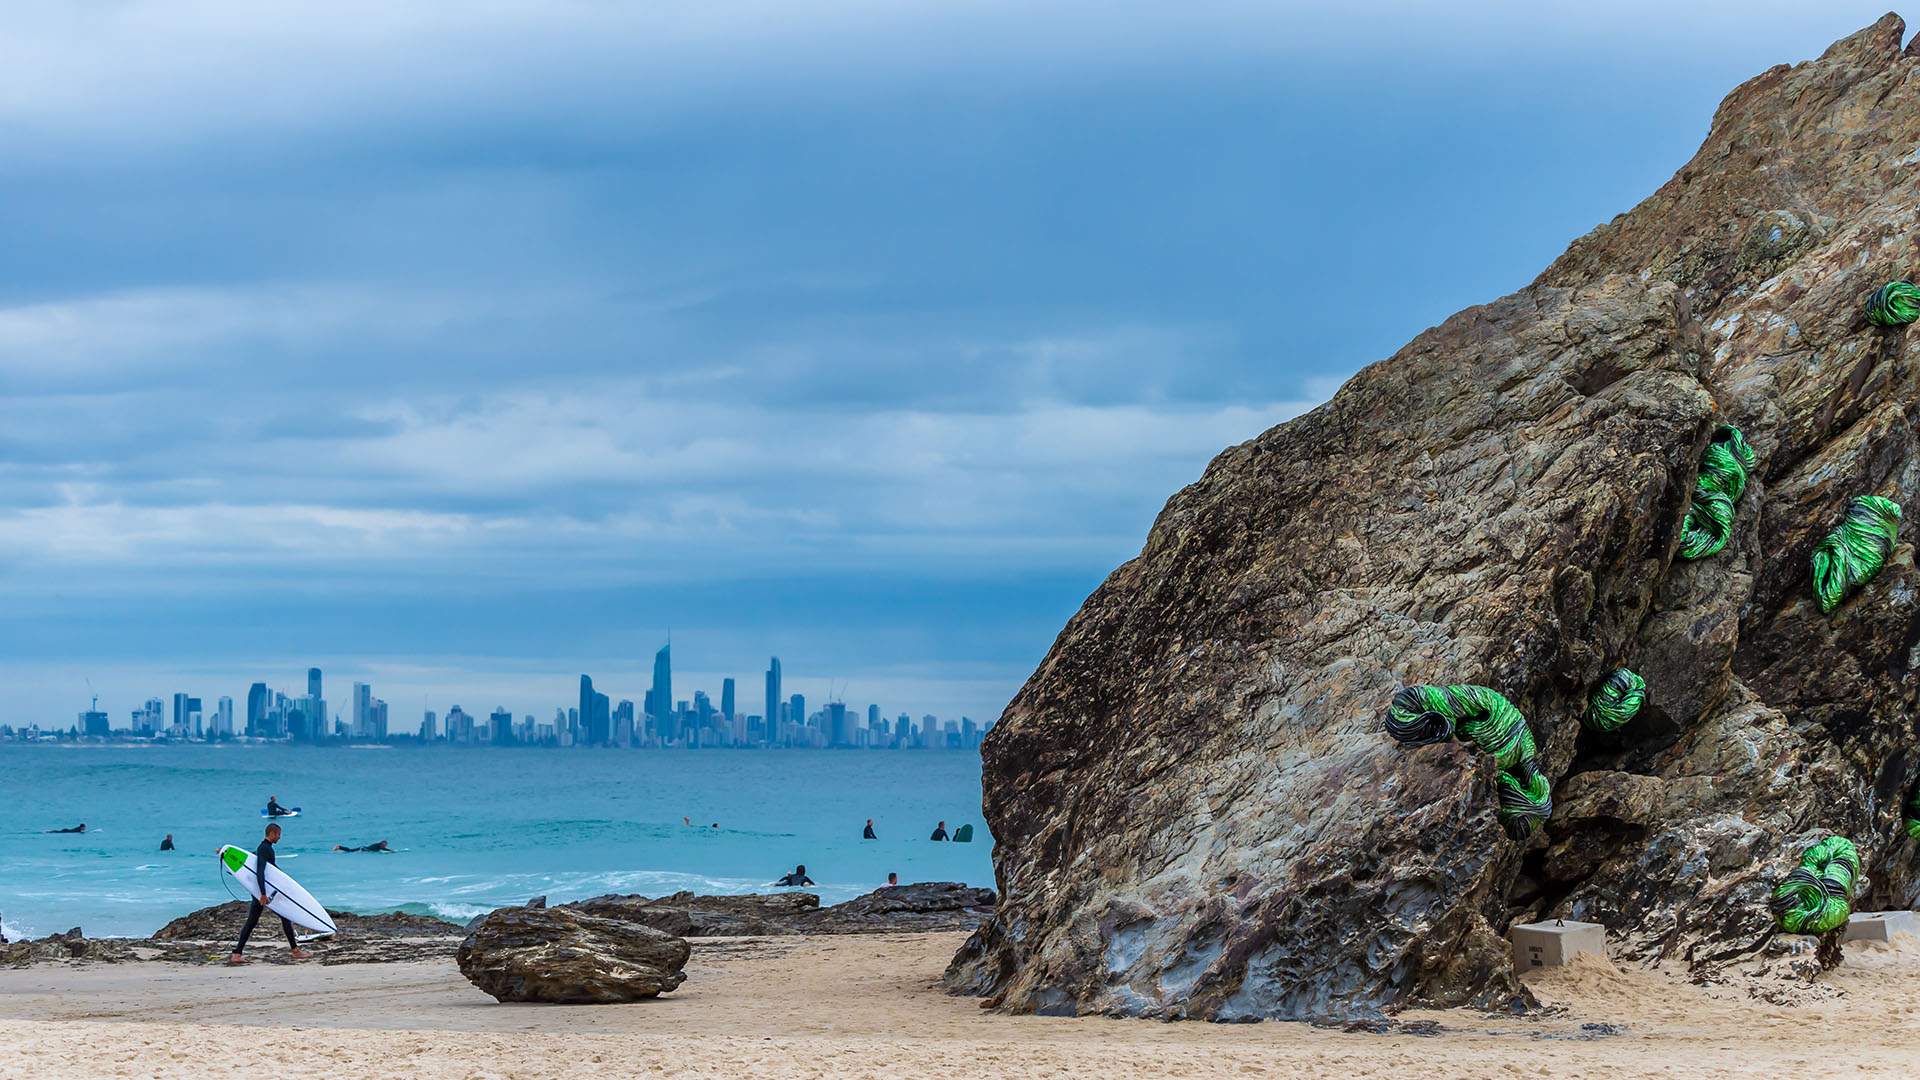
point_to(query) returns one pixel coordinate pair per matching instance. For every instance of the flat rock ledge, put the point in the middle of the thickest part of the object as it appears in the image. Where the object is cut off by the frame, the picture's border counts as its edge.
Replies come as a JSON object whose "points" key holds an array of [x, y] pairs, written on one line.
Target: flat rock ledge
{"points": [[563, 956]]}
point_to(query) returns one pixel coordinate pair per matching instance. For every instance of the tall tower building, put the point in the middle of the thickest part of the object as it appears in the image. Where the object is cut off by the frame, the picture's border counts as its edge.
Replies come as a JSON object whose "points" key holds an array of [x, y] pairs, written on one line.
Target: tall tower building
{"points": [[257, 701], [362, 707], [773, 701], [663, 692], [313, 684], [726, 700]]}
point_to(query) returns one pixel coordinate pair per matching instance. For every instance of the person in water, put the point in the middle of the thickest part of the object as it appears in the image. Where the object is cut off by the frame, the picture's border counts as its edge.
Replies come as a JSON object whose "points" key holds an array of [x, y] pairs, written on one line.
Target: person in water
{"points": [[263, 858], [166, 844], [380, 845], [798, 877], [893, 880], [274, 809], [939, 832], [868, 835], [80, 828]]}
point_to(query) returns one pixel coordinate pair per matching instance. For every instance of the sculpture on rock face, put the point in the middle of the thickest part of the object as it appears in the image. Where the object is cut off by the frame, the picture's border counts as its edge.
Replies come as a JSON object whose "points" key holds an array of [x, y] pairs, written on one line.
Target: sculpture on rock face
{"points": [[1422, 715], [1856, 550], [1817, 896], [1716, 492], [1617, 701]]}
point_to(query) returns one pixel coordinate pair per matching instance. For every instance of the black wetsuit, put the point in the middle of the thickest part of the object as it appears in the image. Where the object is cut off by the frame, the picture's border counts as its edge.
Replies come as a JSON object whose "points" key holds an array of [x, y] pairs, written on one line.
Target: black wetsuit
{"points": [[274, 809], [938, 834], [794, 879], [381, 846], [75, 829], [167, 844], [262, 858], [868, 835]]}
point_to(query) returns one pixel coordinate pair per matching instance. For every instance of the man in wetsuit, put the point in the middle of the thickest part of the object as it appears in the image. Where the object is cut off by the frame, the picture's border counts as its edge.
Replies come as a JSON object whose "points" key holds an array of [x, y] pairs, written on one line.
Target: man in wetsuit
{"points": [[868, 835], [939, 832], [379, 846], [798, 877], [263, 858], [274, 809], [80, 828], [167, 844]]}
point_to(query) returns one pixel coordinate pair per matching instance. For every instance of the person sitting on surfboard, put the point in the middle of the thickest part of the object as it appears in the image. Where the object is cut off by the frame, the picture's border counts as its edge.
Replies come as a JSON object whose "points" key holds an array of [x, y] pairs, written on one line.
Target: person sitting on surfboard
{"points": [[939, 832], [263, 858], [798, 877], [868, 833], [82, 827], [274, 809], [377, 846], [166, 844]]}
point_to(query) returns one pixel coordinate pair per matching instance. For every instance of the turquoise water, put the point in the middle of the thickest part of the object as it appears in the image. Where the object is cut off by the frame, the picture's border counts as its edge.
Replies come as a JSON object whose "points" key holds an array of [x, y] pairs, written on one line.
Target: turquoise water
{"points": [[473, 829]]}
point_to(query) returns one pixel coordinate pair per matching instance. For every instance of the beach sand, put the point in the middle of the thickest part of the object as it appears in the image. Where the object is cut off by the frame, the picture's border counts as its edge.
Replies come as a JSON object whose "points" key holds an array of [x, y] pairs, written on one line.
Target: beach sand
{"points": [[869, 1006]]}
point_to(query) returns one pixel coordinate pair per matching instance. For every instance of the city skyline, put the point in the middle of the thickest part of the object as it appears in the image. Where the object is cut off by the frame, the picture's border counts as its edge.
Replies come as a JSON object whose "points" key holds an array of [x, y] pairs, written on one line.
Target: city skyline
{"points": [[661, 720]]}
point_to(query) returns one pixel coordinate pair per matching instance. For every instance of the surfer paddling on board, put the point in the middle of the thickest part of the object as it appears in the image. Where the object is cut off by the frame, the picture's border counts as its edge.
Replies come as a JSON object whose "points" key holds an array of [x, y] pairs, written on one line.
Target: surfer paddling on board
{"points": [[80, 828], [263, 858], [379, 846]]}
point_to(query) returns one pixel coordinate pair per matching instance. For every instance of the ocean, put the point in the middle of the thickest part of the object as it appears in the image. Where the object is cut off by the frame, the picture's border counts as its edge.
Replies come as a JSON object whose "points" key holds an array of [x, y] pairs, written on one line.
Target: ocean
{"points": [[472, 829]]}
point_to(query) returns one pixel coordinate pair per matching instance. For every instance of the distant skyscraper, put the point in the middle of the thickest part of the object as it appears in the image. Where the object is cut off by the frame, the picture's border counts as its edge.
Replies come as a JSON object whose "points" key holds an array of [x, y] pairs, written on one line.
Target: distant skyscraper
{"points": [[663, 692], [797, 716], [873, 718], [377, 721], [223, 718], [773, 701], [429, 727], [362, 708], [313, 683], [257, 701], [726, 700], [596, 714], [838, 729], [502, 727]]}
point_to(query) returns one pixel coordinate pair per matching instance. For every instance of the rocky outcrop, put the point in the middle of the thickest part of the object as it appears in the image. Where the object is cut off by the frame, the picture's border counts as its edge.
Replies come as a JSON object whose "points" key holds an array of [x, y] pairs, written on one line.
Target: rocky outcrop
{"points": [[569, 957], [1196, 810], [925, 906], [72, 945], [223, 921]]}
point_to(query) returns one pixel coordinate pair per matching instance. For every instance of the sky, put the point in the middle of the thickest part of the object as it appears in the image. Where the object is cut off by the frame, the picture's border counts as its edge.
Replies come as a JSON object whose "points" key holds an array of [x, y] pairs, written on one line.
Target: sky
{"points": [[465, 348]]}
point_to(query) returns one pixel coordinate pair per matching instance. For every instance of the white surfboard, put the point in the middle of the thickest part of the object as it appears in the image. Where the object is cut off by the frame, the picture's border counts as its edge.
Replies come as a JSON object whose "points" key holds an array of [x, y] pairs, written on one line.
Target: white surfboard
{"points": [[285, 897]]}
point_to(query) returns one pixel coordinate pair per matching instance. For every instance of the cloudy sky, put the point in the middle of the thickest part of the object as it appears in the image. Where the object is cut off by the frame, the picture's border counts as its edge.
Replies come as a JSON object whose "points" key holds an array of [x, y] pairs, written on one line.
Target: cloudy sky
{"points": [[467, 347]]}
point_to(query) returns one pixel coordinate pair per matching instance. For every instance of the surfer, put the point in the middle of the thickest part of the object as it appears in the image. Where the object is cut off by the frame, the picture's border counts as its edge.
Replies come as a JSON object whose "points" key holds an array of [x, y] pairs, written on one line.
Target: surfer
{"points": [[274, 809], [166, 844], [263, 858], [939, 832], [868, 834], [893, 880], [80, 828], [798, 877], [376, 846]]}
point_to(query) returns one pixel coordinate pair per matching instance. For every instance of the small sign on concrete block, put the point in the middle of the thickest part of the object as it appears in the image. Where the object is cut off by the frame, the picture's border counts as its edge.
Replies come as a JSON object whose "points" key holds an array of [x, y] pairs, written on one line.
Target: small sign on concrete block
{"points": [[1557, 942], [1880, 925]]}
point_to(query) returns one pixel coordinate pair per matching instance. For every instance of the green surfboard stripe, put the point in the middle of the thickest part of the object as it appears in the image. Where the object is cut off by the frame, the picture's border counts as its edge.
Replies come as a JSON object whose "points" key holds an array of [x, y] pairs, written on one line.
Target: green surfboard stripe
{"points": [[233, 857]]}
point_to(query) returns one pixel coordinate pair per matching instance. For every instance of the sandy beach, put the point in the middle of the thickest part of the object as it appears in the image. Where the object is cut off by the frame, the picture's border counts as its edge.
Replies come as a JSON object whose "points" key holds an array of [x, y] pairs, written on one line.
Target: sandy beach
{"points": [[862, 1006]]}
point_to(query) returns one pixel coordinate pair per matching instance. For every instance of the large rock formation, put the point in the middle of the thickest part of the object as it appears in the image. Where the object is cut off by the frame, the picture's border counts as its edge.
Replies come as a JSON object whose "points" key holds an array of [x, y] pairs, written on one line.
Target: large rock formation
{"points": [[1196, 810], [923, 906], [566, 957]]}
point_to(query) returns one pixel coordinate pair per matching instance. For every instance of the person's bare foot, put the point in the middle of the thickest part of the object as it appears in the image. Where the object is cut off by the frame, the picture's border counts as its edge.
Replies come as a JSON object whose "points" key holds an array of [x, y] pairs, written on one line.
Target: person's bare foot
{"points": [[236, 960], [299, 954]]}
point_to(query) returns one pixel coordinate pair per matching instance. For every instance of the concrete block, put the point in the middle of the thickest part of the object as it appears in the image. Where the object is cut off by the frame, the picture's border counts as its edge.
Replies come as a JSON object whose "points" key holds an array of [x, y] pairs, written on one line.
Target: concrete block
{"points": [[1556, 942], [1880, 925]]}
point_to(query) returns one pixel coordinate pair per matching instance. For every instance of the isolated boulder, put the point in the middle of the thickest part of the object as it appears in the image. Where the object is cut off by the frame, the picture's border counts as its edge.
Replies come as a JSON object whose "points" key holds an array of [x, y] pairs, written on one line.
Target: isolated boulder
{"points": [[568, 957], [1196, 810]]}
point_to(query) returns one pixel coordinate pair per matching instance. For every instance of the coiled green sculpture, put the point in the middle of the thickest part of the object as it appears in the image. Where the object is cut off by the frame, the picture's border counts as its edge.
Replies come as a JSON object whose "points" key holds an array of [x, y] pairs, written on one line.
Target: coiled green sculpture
{"points": [[1855, 550], [1896, 303], [1912, 812], [1617, 700], [1818, 895], [1722, 480], [1421, 715]]}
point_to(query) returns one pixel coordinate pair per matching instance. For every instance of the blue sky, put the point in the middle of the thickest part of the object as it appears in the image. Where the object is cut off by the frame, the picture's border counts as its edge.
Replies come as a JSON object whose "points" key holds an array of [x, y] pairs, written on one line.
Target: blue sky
{"points": [[466, 347]]}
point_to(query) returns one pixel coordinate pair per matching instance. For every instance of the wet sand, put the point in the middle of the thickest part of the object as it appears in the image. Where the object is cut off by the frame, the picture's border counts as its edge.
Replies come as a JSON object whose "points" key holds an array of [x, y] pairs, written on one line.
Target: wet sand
{"points": [[870, 1006]]}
